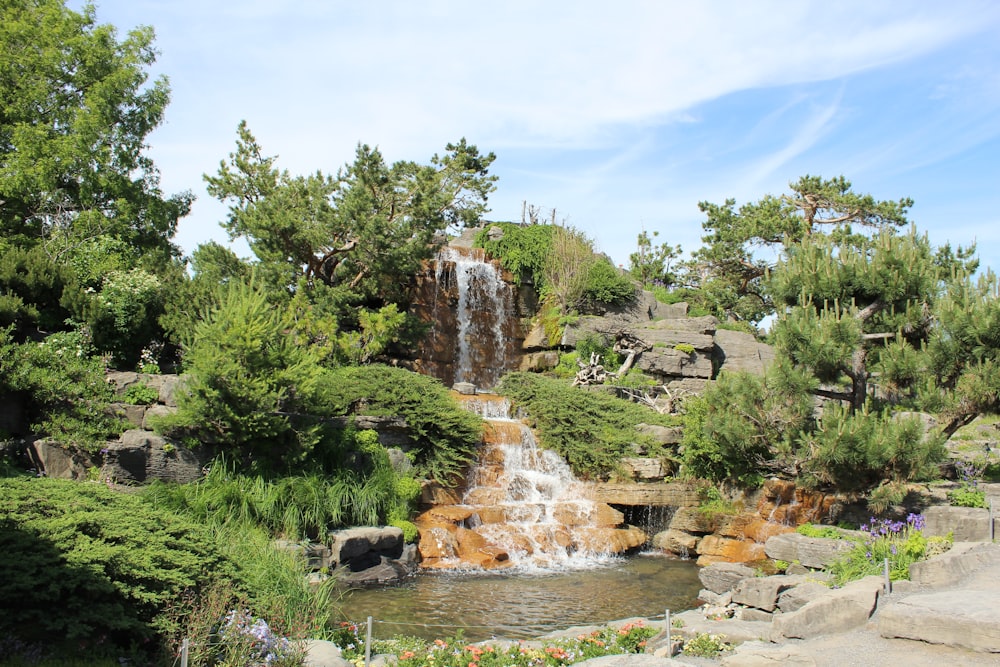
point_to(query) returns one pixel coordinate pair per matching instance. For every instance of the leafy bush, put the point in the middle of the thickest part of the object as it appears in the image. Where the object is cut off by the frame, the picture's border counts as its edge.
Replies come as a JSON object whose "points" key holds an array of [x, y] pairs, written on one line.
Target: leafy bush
{"points": [[593, 431], [445, 436], [63, 388], [705, 645], [606, 285], [141, 394], [85, 563], [523, 249], [969, 494]]}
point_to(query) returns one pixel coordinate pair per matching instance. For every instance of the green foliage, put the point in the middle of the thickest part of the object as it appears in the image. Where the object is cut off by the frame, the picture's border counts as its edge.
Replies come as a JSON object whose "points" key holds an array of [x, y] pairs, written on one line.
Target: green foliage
{"points": [[686, 348], [705, 645], [141, 394], [607, 286], [31, 291], [901, 542], [743, 426], [714, 504], [247, 381], [731, 278], [75, 112], [445, 435], [62, 387], [650, 264], [410, 531], [456, 652], [967, 496], [593, 431], [123, 315], [813, 530], [522, 249], [363, 231], [85, 563]]}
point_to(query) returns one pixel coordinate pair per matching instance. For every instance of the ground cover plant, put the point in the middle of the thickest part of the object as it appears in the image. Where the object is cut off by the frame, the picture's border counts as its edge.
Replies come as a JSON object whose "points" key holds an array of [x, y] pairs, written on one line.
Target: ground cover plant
{"points": [[901, 542], [591, 430]]}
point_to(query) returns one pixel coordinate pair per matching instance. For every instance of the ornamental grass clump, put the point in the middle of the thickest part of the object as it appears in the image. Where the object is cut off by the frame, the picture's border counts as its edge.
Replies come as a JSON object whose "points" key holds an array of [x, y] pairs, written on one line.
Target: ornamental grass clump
{"points": [[902, 542]]}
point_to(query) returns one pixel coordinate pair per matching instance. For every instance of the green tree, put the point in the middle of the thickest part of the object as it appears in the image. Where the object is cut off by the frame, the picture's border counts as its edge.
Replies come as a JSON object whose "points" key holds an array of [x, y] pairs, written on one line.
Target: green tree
{"points": [[651, 264], [741, 245], [365, 229], [75, 110]]}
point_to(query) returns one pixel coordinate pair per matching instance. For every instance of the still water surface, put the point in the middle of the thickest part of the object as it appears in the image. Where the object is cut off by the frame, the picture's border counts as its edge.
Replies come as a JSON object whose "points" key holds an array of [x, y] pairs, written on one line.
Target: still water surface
{"points": [[528, 604]]}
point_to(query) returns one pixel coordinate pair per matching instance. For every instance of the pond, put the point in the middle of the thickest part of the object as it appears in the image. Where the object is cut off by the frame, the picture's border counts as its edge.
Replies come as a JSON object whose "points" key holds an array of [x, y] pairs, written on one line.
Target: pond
{"points": [[521, 605]]}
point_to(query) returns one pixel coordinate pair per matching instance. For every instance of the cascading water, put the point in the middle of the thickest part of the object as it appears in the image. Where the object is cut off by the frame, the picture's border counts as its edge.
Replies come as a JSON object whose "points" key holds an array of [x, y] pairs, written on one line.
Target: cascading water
{"points": [[475, 331], [523, 507]]}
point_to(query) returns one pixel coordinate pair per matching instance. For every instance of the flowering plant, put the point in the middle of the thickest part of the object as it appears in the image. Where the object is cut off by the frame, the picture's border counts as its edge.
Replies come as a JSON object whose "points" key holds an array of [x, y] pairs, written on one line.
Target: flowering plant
{"points": [[902, 542], [244, 640], [454, 652]]}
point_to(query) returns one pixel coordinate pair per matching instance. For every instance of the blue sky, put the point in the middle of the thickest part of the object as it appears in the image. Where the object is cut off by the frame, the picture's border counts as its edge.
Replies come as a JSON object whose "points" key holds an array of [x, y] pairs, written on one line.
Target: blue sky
{"points": [[621, 117]]}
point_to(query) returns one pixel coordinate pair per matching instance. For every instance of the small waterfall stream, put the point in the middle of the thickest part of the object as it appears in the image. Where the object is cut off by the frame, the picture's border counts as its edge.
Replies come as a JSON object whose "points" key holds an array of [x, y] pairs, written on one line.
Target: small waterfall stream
{"points": [[522, 507], [529, 503], [475, 330]]}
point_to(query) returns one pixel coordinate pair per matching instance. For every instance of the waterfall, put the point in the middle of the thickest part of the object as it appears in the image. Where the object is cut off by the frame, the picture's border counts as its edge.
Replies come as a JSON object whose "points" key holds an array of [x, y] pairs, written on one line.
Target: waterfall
{"points": [[475, 331], [524, 502]]}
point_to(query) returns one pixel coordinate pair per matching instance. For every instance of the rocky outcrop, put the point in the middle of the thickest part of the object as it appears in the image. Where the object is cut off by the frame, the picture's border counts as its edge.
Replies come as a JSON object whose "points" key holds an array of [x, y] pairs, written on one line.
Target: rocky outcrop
{"points": [[812, 552], [944, 617], [966, 524], [838, 610], [371, 555], [53, 460], [664, 494], [139, 457]]}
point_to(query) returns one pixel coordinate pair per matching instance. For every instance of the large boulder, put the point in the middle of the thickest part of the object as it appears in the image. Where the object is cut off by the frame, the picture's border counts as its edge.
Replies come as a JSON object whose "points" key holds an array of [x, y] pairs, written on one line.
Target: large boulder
{"points": [[812, 552], [763, 592], [139, 457], [660, 494], [966, 524], [839, 610], [963, 618], [724, 577], [54, 460], [955, 565], [353, 546], [740, 351]]}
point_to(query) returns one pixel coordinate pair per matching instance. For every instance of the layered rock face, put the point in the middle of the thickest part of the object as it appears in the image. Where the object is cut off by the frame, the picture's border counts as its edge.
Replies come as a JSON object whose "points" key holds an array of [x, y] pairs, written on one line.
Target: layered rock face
{"points": [[522, 506]]}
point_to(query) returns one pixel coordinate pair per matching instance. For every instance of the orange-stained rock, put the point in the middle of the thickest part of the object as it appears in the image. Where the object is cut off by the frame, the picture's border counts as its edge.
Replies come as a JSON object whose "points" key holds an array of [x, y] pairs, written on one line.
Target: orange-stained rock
{"points": [[571, 514], [606, 515], [436, 543], [488, 558], [432, 493], [501, 433], [729, 549], [492, 514], [468, 542], [692, 520], [610, 540], [485, 496], [450, 513]]}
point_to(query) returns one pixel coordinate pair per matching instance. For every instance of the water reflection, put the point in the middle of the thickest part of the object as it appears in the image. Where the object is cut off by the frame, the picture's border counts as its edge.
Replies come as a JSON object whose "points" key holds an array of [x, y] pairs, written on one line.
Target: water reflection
{"points": [[523, 605]]}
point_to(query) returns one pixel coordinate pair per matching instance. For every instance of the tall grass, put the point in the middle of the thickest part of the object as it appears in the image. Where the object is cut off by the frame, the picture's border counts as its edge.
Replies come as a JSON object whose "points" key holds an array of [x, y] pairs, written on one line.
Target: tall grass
{"points": [[298, 507]]}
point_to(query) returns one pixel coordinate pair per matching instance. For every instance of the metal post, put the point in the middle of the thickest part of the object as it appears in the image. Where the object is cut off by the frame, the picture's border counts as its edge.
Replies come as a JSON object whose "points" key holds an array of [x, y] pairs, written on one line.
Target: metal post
{"points": [[670, 641], [185, 647], [992, 527], [368, 644], [885, 568]]}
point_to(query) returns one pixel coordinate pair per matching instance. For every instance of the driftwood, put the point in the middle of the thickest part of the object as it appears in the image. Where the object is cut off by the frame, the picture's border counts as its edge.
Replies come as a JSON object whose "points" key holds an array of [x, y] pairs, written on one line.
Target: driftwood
{"points": [[590, 373]]}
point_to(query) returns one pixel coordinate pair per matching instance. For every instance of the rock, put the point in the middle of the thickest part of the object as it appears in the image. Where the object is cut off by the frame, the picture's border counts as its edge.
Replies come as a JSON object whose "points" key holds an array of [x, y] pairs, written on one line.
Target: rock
{"points": [[714, 548], [660, 494], [715, 599], [954, 565], [731, 630], [465, 388], [693, 520], [838, 610], [759, 654], [630, 660], [348, 547], [813, 552], [536, 339], [967, 524], [139, 457], [645, 470], [962, 618], [665, 435], [723, 577], [676, 541], [154, 412], [170, 386], [739, 351], [539, 362], [384, 571], [763, 592], [53, 460], [320, 653], [753, 614], [668, 362], [799, 596]]}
